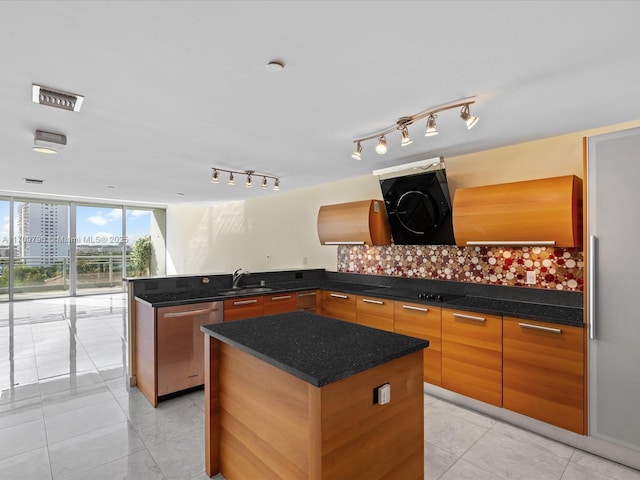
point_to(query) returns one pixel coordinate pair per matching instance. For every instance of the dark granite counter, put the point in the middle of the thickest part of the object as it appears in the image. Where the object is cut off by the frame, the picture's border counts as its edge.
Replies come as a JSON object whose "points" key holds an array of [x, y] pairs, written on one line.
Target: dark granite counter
{"points": [[316, 349], [570, 316], [564, 308]]}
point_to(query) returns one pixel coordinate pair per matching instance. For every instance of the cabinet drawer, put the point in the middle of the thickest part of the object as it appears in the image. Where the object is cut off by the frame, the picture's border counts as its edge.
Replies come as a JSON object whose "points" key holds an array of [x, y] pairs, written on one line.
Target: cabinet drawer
{"points": [[472, 355], [244, 307], [423, 321], [339, 305], [544, 372], [374, 312], [279, 303]]}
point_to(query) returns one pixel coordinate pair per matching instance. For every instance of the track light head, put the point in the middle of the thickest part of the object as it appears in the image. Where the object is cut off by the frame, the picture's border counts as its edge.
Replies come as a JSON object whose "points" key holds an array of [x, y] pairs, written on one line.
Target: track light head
{"points": [[357, 154], [406, 139], [264, 182], [381, 148], [431, 126], [215, 178], [231, 180], [249, 182], [466, 116], [276, 185]]}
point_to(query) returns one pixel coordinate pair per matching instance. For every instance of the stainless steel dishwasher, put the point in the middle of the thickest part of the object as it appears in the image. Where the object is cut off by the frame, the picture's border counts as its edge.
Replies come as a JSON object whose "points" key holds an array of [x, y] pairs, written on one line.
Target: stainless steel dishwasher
{"points": [[181, 344]]}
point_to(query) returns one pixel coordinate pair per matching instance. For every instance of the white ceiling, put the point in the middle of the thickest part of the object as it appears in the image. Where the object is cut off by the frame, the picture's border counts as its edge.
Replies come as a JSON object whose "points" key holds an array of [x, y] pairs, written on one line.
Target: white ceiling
{"points": [[174, 88]]}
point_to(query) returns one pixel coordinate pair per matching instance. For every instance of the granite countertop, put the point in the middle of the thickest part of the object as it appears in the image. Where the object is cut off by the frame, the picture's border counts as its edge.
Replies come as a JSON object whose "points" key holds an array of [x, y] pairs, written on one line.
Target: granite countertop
{"points": [[316, 349], [562, 315]]}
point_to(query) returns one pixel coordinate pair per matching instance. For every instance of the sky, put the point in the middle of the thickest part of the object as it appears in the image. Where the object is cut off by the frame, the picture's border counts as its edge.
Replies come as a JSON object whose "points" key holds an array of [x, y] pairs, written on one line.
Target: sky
{"points": [[95, 225]]}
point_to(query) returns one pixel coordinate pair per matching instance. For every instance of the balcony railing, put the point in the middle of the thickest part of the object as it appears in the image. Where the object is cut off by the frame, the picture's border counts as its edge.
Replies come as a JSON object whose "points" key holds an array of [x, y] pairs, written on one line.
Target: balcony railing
{"points": [[45, 275]]}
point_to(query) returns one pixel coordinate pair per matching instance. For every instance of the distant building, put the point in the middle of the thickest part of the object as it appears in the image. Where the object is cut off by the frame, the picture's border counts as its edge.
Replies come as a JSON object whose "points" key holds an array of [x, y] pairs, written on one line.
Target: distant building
{"points": [[43, 232]]}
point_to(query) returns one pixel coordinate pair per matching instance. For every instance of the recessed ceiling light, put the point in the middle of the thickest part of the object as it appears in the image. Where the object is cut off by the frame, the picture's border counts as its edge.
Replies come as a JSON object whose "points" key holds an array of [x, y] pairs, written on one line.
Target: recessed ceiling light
{"points": [[47, 142], [275, 66], [180, 193]]}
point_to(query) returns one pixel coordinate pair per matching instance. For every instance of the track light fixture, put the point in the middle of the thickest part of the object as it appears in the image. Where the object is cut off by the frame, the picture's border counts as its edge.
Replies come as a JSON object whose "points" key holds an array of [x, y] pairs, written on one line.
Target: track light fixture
{"points": [[215, 177], [403, 123], [431, 126]]}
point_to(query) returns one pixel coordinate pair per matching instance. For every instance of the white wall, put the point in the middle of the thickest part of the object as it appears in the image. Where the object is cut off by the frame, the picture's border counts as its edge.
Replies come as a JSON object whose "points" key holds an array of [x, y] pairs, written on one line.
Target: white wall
{"points": [[278, 231]]}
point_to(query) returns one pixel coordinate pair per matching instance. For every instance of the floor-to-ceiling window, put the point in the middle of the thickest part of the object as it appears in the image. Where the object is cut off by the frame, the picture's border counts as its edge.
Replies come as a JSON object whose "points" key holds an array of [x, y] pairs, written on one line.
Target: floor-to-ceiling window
{"points": [[99, 247], [54, 248], [5, 247], [145, 241], [41, 248]]}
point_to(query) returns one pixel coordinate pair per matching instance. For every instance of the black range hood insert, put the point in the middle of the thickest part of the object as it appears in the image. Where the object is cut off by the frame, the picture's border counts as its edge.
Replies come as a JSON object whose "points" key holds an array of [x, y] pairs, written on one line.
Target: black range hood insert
{"points": [[418, 203]]}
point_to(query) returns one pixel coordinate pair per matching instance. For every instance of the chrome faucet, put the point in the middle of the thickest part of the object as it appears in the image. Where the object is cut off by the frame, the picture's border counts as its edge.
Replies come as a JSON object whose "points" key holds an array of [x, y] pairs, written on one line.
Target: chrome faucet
{"points": [[237, 275]]}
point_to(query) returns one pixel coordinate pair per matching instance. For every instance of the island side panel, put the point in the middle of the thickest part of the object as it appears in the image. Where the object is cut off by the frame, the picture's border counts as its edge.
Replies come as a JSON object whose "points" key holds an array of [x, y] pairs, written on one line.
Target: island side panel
{"points": [[264, 420], [211, 405], [361, 440], [145, 352]]}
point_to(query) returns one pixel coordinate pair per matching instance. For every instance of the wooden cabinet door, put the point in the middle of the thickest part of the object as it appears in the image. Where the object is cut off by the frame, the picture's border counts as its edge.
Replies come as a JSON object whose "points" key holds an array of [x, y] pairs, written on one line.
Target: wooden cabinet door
{"points": [[423, 321], [245, 307], [472, 355], [180, 345], [339, 305], [374, 312], [279, 303], [544, 372]]}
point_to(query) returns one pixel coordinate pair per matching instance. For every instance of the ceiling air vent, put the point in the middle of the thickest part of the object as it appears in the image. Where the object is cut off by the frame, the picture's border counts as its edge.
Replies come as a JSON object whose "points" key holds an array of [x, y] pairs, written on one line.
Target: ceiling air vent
{"points": [[34, 181], [55, 98]]}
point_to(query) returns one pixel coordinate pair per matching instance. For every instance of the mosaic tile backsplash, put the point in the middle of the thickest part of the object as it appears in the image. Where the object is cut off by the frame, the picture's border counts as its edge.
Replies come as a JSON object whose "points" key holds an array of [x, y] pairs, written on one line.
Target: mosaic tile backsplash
{"points": [[555, 268]]}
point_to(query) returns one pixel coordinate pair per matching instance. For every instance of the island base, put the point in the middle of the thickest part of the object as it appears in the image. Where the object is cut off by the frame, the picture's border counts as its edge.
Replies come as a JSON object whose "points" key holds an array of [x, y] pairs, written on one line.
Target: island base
{"points": [[261, 422]]}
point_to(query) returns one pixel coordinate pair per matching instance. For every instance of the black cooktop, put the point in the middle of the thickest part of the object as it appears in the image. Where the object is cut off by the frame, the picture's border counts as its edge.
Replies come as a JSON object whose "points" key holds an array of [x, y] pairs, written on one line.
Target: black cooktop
{"points": [[408, 294]]}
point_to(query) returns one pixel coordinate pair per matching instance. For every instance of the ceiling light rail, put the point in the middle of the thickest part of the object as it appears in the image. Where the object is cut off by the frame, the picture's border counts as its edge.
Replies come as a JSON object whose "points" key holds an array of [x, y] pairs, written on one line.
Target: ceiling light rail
{"points": [[403, 123], [250, 174]]}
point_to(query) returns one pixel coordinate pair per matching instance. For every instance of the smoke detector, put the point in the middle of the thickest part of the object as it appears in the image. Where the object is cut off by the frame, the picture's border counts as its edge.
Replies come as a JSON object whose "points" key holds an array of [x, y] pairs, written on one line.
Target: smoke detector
{"points": [[47, 142], [56, 98]]}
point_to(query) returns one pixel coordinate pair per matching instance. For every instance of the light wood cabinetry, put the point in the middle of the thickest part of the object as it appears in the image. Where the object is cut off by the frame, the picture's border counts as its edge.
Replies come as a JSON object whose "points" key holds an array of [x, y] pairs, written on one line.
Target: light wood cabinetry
{"points": [[362, 222], [339, 305], [545, 210], [308, 301], [423, 321], [244, 307], [374, 312], [472, 355], [170, 348], [279, 303], [544, 372]]}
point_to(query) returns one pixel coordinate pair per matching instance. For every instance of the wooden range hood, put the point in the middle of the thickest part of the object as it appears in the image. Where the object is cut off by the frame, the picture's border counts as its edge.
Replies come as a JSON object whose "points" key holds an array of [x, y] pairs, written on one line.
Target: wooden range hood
{"points": [[547, 211], [356, 223]]}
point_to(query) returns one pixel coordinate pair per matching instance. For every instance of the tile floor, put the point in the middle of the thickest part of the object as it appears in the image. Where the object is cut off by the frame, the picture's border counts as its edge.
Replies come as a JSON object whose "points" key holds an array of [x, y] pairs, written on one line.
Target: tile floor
{"points": [[66, 412]]}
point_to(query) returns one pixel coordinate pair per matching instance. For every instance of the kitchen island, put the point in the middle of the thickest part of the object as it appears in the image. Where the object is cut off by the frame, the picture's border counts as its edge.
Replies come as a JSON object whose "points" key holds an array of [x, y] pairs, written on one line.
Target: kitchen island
{"points": [[298, 395]]}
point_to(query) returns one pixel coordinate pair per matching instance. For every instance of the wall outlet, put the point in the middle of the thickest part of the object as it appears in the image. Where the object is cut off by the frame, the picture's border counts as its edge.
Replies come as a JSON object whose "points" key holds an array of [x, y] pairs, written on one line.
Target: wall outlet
{"points": [[531, 277]]}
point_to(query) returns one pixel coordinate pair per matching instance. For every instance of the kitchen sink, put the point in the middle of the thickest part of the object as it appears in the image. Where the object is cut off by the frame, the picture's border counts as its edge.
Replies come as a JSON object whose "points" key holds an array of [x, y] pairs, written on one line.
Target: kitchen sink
{"points": [[242, 291]]}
